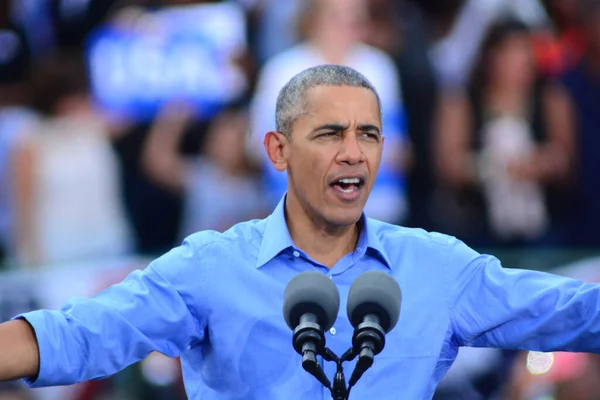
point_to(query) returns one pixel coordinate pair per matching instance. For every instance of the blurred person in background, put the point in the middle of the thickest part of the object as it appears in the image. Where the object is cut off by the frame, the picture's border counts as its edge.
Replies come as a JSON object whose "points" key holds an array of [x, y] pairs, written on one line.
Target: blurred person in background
{"points": [[212, 180], [582, 83], [156, 210], [500, 144], [403, 30], [460, 35], [333, 32], [65, 174], [15, 62]]}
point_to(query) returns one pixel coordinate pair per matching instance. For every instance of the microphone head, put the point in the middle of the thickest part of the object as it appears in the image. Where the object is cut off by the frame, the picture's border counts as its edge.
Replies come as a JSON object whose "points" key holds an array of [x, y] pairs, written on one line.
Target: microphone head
{"points": [[311, 292], [374, 292]]}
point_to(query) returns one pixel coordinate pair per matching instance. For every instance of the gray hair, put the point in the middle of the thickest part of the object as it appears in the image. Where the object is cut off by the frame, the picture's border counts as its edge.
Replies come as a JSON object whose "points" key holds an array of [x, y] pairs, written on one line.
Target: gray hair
{"points": [[291, 99]]}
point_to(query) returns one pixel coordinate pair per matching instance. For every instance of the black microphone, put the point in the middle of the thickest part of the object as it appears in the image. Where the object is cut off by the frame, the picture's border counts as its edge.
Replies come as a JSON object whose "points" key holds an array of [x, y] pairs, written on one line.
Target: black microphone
{"points": [[310, 307], [373, 310]]}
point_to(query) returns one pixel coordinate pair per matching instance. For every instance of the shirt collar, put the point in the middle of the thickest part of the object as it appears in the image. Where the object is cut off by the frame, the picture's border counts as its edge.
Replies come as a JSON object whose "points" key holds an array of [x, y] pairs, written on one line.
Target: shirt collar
{"points": [[369, 240], [276, 237]]}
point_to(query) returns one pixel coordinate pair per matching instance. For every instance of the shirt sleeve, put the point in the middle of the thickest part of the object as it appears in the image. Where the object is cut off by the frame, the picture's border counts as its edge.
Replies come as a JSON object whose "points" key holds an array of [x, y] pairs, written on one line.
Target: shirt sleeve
{"points": [[97, 337], [517, 309]]}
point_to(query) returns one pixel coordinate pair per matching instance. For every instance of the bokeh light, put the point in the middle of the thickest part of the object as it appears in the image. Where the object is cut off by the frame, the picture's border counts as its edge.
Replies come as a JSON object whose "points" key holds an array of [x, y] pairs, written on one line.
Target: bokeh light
{"points": [[539, 363]]}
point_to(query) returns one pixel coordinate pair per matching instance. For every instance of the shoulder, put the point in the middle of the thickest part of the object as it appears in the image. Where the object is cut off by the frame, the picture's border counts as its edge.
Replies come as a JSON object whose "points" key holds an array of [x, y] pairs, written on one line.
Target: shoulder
{"points": [[446, 250], [390, 232], [244, 234], [204, 255]]}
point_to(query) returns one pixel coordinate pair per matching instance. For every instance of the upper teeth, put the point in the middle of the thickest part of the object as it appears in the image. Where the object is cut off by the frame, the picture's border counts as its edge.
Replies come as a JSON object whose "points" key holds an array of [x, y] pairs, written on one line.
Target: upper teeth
{"points": [[350, 180]]}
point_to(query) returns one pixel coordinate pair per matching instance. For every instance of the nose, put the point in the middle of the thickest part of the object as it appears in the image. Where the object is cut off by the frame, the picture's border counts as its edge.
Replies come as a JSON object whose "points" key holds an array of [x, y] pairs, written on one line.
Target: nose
{"points": [[350, 152]]}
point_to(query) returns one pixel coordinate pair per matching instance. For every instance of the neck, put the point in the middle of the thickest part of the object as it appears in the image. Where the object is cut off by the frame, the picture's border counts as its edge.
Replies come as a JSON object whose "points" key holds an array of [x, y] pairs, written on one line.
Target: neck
{"points": [[322, 242], [506, 99]]}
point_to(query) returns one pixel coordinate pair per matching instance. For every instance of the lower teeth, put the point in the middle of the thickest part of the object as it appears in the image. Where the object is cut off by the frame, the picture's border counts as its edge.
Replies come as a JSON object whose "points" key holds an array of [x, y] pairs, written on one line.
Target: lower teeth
{"points": [[347, 190]]}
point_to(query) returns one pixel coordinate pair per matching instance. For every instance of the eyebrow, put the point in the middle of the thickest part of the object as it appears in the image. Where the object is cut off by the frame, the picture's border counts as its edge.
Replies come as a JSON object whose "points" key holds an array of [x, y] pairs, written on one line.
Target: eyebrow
{"points": [[339, 127], [369, 127], [331, 127]]}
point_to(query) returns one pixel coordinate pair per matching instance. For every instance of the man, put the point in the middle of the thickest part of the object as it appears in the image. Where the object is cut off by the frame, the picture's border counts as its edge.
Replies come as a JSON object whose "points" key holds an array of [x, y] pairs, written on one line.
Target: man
{"points": [[216, 301], [332, 33]]}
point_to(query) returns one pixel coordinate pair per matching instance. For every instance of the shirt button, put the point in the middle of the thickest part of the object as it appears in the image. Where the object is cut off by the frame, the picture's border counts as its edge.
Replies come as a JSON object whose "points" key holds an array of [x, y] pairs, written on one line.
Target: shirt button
{"points": [[332, 331], [358, 249], [296, 254]]}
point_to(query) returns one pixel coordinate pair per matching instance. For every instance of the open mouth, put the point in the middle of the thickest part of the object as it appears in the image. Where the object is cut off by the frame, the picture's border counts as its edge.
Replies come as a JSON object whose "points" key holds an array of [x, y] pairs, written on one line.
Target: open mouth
{"points": [[347, 185]]}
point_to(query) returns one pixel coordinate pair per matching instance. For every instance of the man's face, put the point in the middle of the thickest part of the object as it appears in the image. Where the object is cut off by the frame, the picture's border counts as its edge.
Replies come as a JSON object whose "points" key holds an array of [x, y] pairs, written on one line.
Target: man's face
{"points": [[334, 153]]}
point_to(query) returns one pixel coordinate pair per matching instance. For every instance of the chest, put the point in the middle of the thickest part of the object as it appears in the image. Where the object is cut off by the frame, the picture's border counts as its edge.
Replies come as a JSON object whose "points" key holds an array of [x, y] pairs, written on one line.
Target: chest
{"points": [[249, 347]]}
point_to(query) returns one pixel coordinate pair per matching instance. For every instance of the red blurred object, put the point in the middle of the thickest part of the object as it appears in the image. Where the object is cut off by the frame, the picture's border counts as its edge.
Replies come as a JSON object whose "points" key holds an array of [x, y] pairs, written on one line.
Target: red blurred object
{"points": [[555, 55], [568, 366]]}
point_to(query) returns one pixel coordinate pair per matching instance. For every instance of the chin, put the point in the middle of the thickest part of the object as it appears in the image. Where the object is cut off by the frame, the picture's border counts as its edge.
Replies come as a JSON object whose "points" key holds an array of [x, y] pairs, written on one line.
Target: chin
{"points": [[343, 217]]}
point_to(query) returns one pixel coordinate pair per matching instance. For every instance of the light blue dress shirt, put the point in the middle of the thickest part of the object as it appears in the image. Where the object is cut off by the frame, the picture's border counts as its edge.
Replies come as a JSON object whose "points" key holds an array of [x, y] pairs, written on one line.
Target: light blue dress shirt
{"points": [[216, 301]]}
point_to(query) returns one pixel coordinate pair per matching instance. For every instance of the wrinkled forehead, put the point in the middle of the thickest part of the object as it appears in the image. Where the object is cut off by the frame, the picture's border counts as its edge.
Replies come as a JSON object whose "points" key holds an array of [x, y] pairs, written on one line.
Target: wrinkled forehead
{"points": [[342, 104]]}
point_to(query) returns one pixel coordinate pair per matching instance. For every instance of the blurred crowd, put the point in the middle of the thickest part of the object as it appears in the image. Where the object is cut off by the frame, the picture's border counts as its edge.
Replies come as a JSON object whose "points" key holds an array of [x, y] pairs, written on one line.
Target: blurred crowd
{"points": [[126, 125]]}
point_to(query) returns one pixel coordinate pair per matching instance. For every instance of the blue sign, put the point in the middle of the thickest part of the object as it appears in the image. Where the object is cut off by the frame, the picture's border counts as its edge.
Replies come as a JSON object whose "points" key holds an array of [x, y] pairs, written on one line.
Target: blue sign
{"points": [[171, 55]]}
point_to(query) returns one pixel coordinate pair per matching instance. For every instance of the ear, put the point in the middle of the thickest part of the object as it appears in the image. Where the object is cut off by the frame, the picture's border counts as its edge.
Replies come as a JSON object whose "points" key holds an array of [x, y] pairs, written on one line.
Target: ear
{"points": [[275, 143]]}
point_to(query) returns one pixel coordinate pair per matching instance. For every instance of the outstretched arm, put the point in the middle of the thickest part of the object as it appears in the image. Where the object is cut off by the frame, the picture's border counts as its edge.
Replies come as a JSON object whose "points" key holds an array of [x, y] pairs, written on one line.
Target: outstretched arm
{"points": [[19, 351], [151, 310], [520, 309]]}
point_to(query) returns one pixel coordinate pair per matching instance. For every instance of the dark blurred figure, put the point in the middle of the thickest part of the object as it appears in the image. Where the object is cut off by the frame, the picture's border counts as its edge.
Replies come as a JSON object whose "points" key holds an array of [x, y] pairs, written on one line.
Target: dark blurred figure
{"points": [[440, 14], [154, 211], [74, 20], [500, 145], [15, 53], [402, 29], [214, 179], [583, 86], [15, 62]]}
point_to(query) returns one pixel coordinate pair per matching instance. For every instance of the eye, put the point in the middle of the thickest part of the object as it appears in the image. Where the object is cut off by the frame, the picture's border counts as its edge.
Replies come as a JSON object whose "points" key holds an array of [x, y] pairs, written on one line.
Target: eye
{"points": [[370, 136], [326, 134]]}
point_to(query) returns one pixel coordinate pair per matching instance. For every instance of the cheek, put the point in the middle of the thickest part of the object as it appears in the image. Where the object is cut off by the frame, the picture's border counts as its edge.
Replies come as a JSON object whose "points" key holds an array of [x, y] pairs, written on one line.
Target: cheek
{"points": [[310, 169], [375, 154], [304, 168]]}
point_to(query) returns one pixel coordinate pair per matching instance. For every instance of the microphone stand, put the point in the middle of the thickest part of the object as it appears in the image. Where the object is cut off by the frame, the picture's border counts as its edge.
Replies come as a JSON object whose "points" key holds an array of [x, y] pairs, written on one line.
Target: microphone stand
{"points": [[367, 341], [340, 390]]}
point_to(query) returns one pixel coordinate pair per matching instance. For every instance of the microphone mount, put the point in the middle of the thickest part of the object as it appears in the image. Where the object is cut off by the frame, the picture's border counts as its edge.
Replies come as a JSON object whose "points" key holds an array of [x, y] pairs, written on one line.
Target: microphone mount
{"points": [[340, 390], [309, 341], [368, 341]]}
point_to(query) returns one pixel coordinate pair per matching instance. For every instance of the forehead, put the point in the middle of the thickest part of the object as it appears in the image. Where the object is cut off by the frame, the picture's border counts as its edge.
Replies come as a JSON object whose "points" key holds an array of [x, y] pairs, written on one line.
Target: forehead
{"points": [[343, 104]]}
